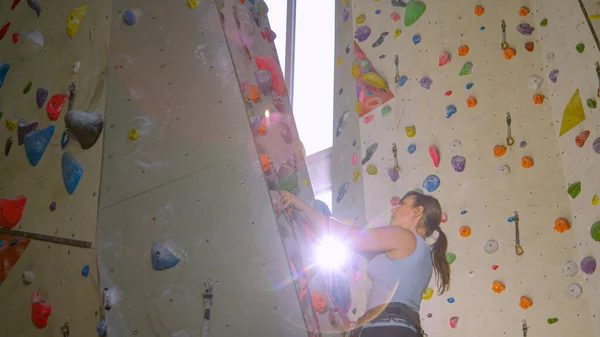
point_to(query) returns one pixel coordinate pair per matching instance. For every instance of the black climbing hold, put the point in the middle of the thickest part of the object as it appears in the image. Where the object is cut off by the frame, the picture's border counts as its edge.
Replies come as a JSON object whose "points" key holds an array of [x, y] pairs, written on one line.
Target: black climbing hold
{"points": [[41, 96], [85, 126], [8, 145], [35, 5], [72, 88], [398, 3]]}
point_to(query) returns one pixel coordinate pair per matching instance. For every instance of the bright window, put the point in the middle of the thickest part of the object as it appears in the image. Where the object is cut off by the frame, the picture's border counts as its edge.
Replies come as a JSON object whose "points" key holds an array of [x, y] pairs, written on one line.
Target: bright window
{"points": [[278, 22]]}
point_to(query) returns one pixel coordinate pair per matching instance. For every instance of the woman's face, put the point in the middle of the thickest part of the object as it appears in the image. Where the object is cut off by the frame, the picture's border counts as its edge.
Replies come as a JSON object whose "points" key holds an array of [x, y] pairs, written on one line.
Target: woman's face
{"points": [[404, 214]]}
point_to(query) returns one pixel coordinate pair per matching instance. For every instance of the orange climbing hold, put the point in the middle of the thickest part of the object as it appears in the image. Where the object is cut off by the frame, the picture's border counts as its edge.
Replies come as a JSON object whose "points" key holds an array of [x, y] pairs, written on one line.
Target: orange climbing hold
{"points": [[479, 10], [524, 11], [525, 302], [254, 93], [319, 301], [265, 161], [471, 102], [463, 50], [499, 151], [498, 287], [561, 225], [529, 46], [465, 231], [581, 138], [509, 53], [526, 162], [538, 99]]}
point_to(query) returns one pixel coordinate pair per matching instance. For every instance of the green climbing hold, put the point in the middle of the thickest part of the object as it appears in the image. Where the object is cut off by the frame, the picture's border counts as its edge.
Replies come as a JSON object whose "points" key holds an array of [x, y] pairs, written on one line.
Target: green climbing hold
{"points": [[591, 103], [27, 87], [580, 47], [414, 10], [552, 320], [595, 231], [450, 257], [544, 23], [1, 114], [385, 111], [466, 69], [574, 189]]}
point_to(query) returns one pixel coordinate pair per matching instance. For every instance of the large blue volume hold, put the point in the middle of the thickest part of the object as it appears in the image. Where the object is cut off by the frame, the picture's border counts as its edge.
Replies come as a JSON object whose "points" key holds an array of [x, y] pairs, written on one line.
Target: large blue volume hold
{"points": [[36, 143], [71, 172], [162, 257]]}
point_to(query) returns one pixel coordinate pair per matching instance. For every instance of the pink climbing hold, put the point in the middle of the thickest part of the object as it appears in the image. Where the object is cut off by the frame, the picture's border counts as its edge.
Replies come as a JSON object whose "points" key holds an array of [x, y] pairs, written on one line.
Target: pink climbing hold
{"points": [[395, 201], [368, 119], [40, 311], [435, 157], [444, 59], [453, 322], [395, 17], [11, 211], [354, 159]]}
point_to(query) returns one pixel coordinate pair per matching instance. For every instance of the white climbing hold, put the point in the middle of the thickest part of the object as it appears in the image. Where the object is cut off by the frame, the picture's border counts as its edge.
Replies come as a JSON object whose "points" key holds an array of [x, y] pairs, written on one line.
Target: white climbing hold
{"points": [[75, 67], [504, 170], [28, 277], [30, 44], [549, 57], [570, 269], [535, 82], [455, 146], [573, 291]]}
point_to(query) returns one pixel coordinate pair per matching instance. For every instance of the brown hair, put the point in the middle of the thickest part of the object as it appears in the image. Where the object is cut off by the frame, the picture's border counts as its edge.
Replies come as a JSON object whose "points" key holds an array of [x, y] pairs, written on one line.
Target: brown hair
{"points": [[432, 217]]}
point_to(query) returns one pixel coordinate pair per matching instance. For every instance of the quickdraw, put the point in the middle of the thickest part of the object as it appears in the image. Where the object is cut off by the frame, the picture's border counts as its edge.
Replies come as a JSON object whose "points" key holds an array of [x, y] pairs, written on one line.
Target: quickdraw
{"points": [[504, 44], [65, 330], [525, 328], [397, 78], [509, 139], [518, 248], [208, 301], [598, 75]]}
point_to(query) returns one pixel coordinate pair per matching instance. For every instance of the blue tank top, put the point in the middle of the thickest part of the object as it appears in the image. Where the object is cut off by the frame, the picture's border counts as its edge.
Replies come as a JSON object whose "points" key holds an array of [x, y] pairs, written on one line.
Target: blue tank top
{"points": [[402, 280]]}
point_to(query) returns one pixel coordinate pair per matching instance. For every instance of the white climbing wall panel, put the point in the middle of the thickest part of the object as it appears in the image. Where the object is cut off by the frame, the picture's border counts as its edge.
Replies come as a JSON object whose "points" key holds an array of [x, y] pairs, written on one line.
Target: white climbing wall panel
{"points": [[481, 197], [192, 181]]}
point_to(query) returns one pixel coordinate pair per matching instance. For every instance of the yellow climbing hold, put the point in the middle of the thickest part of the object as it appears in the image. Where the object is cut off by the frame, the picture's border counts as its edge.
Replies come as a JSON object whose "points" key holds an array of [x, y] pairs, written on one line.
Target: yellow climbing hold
{"points": [[428, 294], [74, 20], [371, 169], [411, 131], [573, 114], [193, 3], [595, 200], [306, 182], [358, 107], [355, 70], [355, 176], [299, 150], [345, 2], [375, 80], [11, 125], [360, 19], [397, 33], [134, 134], [339, 61]]}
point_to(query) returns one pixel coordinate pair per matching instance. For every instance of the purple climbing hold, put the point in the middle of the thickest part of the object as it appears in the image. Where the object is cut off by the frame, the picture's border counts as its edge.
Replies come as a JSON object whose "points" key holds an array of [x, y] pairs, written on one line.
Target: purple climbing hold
{"points": [[362, 33], [40, 97], [346, 13], [596, 145], [53, 206], [426, 82], [458, 163], [525, 29], [380, 39], [24, 128], [263, 78], [588, 265], [553, 76], [523, 144], [393, 173], [35, 5]]}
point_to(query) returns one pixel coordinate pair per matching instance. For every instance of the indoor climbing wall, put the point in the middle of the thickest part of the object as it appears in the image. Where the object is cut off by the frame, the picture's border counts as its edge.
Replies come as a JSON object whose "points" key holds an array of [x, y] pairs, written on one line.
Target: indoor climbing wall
{"points": [[186, 219], [448, 106], [52, 100]]}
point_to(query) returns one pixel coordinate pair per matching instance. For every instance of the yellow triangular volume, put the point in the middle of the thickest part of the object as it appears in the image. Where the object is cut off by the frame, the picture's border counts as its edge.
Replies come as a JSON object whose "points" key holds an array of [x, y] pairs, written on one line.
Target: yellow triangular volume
{"points": [[573, 114]]}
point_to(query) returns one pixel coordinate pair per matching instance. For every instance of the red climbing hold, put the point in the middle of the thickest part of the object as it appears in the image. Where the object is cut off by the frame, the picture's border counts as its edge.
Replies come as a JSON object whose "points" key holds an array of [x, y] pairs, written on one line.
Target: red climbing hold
{"points": [[14, 4], [55, 105], [11, 211], [40, 311], [277, 82], [448, 93], [15, 38], [4, 30], [581, 138], [494, 267]]}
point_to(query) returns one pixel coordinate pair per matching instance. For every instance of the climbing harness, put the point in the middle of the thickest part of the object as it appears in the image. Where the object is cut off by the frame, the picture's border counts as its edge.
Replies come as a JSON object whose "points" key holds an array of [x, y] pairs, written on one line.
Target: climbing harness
{"points": [[65, 330], [525, 327], [598, 75], [392, 312], [509, 139], [208, 301], [503, 45], [518, 249], [397, 78]]}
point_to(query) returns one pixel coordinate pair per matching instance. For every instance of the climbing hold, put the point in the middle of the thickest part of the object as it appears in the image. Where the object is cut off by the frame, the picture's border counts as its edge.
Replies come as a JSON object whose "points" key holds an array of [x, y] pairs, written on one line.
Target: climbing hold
{"points": [[385, 111], [31, 44], [435, 156], [35, 5], [427, 294], [395, 201], [495, 267], [370, 152], [450, 110], [40, 311], [525, 29], [504, 170], [395, 16], [588, 265], [41, 96], [458, 163], [71, 172], [498, 287], [85, 271], [491, 246], [362, 33], [341, 123], [523, 144], [10, 124], [580, 47], [14, 4], [134, 134], [465, 231], [448, 93], [573, 114], [27, 87], [549, 57], [569, 269], [345, 16], [525, 302], [36, 143], [8, 146], [431, 183], [378, 11], [24, 129], [4, 68], [412, 148], [251, 93], [410, 131], [538, 99], [455, 147], [574, 189], [426, 82], [469, 86], [402, 80], [194, 3], [414, 10], [524, 11], [162, 257], [55, 105], [380, 39], [466, 69], [450, 258], [444, 217], [52, 206], [398, 3], [450, 300], [482, 28], [573, 291], [339, 62], [529, 46], [595, 200], [342, 191], [416, 39], [28, 276], [444, 59], [74, 20], [85, 126], [591, 103], [75, 67], [561, 225], [319, 302], [354, 159], [397, 33], [554, 319], [509, 53], [11, 211], [102, 328], [356, 175], [360, 19], [544, 22], [535, 82], [596, 145], [479, 10], [463, 50], [263, 79], [453, 322], [372, 169], [471, 102], [375, 80], [526, 162], [4, 30], [15, 38]]}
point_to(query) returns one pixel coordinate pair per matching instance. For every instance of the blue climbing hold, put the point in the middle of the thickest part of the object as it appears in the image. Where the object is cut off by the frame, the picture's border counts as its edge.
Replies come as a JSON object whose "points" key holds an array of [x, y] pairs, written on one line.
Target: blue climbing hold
{"points": [[1, 243], [85, 271], [71, 172], [431, 183], [412, 148], [402, 80], [450, 110], [4, 67], [378, 11], [482, 28], [321, 207], [511, 219], [353, 143], [469, 86], [451, 300], [101, 328], [36, 143], [463, 212], [416, 39], [65, 138], [129, 18], [162, 257]]}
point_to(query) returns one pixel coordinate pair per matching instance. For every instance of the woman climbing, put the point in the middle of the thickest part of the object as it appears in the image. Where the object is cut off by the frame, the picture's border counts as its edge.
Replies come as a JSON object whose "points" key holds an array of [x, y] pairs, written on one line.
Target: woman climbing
{"points": [[400, 261]]}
